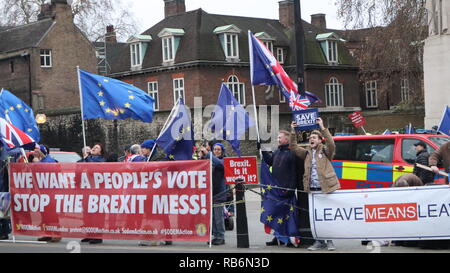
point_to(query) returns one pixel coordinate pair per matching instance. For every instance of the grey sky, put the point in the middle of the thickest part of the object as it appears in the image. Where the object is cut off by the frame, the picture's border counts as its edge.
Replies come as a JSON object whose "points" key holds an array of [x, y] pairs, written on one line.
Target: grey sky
{"points": [[150, 12]]}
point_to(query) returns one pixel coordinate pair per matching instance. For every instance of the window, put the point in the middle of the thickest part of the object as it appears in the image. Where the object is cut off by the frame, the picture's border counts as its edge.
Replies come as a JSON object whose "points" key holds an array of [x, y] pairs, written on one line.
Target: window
{"points": [[409, 150], [280, 55], [334, 93], [237, 88], [178, 89], [439, 140], [371, 94], [282, 97], [168, 49], [153, 92], [367, 150], [46, 58], [136, 59], [38, 101], [231, 46], [332, 52], [404, 90], [269, 45], [11, 66]]}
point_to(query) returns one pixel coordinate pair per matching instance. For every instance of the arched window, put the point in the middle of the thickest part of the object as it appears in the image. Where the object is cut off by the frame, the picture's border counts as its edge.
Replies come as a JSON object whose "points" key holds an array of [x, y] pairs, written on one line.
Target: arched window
{"points": [[334, 93], [237, 88]]}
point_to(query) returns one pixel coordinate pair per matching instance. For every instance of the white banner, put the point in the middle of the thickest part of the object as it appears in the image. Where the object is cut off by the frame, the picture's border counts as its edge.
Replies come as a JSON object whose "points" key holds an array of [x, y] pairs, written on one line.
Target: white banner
{"points": [[409, 213]]}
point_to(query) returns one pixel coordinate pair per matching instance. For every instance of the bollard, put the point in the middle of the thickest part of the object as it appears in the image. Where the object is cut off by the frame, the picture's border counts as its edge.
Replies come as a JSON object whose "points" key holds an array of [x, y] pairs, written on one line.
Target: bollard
{"points": [[241, 215], [306, 238]]}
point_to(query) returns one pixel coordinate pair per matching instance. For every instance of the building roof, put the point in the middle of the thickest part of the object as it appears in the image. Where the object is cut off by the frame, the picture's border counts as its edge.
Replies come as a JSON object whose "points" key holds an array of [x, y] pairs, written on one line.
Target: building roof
{"points": [[24, 36], [201, 43]]}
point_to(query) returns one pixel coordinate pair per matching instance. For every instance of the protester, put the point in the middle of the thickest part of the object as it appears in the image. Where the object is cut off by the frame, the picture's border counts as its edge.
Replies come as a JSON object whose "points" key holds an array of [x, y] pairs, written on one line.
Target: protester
{"points": [[219, 190], [45, 152], [441, 155], [422, 158], [41, 155], [5, 224], [147, 147], [136, 154], [284, 164], [126, 154], [97, 154], [319, 172]]}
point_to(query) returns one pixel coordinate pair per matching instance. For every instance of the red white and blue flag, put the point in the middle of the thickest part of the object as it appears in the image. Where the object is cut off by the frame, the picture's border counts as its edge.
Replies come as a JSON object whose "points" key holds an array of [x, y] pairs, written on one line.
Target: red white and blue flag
{"points": [[13, 137], [266, 70]]}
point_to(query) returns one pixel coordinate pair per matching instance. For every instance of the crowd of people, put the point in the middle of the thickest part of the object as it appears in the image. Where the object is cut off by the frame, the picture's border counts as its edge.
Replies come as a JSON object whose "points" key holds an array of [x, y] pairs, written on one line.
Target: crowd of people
{"points": [[296, 168]]}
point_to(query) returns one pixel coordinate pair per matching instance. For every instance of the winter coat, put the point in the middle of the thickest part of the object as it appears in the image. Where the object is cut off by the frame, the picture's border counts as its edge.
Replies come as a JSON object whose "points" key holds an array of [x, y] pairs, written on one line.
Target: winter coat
{"points": [[218, 179], [424, 175], [94, 158], [284, 165], [324, 154], [441, 154]]}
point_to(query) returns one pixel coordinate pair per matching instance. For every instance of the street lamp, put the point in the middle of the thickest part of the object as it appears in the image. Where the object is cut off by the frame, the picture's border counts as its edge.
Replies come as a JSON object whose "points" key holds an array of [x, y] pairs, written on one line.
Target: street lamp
{"points": [[41, 118]]}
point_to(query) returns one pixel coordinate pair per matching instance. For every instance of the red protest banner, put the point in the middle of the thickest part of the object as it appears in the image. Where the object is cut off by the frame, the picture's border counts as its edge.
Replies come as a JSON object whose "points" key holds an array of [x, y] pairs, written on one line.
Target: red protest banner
{"points": [[245, 168], [357, 119], [169, 201]]}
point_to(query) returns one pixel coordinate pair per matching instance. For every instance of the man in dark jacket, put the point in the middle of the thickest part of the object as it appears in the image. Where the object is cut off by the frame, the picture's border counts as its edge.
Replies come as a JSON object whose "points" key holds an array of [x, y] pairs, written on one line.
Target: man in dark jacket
{"points": [[422, 158], [285, 170]]}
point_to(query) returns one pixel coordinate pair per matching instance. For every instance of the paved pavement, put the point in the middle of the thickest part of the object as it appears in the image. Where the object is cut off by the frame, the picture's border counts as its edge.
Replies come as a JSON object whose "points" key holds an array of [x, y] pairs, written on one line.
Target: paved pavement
{"points": [[257, 239]]}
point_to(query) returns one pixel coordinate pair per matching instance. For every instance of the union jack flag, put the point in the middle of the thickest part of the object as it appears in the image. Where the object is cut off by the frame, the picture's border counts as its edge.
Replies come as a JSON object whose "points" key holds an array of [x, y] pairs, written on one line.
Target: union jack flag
{"points": [[13, 137], [266, 70]]}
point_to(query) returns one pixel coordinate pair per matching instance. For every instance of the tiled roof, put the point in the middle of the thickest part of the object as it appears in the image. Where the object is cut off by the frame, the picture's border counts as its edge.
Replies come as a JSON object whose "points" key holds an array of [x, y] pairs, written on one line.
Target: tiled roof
{"points": [[24, 36], [200, 43]]}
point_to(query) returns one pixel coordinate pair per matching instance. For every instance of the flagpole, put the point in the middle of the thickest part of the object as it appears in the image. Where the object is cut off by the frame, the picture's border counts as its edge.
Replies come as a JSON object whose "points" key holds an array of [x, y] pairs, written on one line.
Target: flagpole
{"points": [[250, 46], [81, 106], [162, 130]]}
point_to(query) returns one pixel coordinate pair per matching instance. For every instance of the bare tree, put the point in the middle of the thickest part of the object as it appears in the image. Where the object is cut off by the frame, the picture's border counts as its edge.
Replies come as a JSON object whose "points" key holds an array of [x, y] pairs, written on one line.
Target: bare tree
{"points": [[91, 16], [391, 36]]}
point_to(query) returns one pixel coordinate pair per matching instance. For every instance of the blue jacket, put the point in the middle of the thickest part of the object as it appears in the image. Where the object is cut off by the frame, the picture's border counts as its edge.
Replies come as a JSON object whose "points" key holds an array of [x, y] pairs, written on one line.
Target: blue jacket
{"points": [[95, 158], [285, 166], [48, 159], [139, 158], [218, 179]]}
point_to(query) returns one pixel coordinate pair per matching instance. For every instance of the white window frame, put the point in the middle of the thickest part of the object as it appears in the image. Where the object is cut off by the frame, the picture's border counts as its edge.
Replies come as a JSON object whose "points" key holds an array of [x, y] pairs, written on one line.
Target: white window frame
{"points": [[282, 97], [269, 45], [371, 88], [231, 41], [332, 52], [153, 92], [405, 91], [168, 49], [334, 93], [280, 55], [47, 55], [178, 90], [136, 54], [237, 88]]}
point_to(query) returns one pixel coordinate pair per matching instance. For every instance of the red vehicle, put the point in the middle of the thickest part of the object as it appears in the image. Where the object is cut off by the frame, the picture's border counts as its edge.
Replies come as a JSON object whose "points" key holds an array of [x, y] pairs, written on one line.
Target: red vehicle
{"points": [[376, 161]]}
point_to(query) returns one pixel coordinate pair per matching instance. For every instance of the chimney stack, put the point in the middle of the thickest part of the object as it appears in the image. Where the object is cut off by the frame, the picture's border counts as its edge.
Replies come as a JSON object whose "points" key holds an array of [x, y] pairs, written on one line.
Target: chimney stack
{"points": [[46, 11], [319, 21], [110, 36], [287, 13], [174, 7]]}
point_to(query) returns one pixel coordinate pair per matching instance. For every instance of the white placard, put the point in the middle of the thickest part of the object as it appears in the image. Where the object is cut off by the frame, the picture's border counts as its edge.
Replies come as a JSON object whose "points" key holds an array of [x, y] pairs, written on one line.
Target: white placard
{"points": [[409, 213]]}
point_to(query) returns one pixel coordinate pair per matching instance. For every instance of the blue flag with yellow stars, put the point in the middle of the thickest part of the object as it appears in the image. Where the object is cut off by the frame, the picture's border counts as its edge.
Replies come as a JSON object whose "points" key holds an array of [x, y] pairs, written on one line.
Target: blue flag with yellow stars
{"points": [[278, 207], [113, 99], [229, 120], [19, 114], [177, 138]]}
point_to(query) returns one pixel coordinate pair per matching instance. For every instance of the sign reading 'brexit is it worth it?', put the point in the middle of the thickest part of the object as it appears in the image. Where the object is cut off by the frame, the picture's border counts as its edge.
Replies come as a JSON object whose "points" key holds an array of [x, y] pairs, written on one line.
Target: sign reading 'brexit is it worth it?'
{"points": [[244, 168], [168, 201], [413, 213]]}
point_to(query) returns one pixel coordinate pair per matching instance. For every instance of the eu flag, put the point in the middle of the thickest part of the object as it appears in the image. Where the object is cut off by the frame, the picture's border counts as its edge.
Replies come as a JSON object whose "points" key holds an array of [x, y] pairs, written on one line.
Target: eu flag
{"points": [[177, 138], [444, 125], [19, 114], [229, 121], [113, 99], [278, 207]]}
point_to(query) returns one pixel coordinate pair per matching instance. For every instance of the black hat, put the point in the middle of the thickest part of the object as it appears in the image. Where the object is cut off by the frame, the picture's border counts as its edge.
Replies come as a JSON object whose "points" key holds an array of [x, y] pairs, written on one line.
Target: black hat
{"points": [[421, 143]]}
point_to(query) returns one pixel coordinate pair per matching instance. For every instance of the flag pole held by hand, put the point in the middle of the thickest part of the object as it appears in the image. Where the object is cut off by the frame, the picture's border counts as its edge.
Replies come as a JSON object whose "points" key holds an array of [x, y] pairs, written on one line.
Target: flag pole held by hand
{"points": [[429, 169]]}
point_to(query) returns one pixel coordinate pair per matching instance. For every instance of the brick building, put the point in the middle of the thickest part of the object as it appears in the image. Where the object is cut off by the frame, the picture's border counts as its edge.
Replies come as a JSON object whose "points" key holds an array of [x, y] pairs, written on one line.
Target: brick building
{"points": [[38, 60], [190, 53]]}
